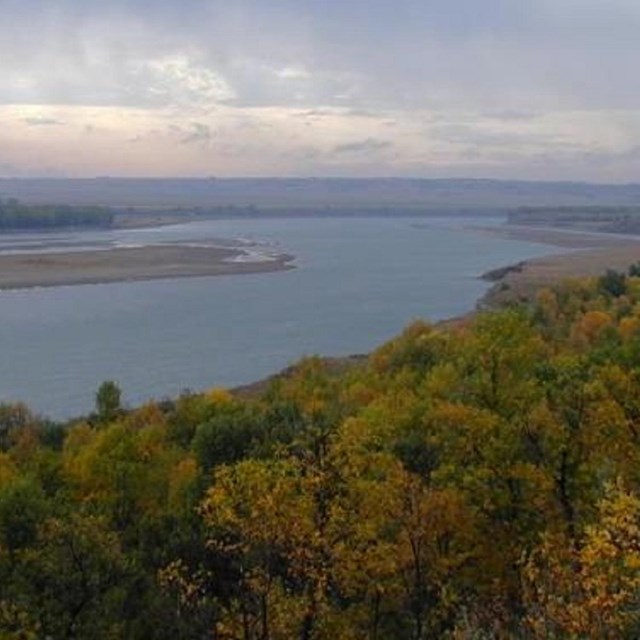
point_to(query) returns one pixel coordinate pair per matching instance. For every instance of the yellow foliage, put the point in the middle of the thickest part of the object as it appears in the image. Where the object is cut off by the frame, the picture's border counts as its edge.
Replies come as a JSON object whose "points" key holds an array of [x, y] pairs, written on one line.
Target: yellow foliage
{"points": [[25, 445], [78, 437], [8, 469], [589, 590], [547, 302], [629, 327], [181, 480], [219, 397]]}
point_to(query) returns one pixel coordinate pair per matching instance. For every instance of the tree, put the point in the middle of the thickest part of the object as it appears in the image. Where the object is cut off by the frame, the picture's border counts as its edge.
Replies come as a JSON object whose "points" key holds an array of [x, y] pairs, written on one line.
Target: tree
{"points": [[73, 576], [13, 418], [108, 405], [613, 283]]}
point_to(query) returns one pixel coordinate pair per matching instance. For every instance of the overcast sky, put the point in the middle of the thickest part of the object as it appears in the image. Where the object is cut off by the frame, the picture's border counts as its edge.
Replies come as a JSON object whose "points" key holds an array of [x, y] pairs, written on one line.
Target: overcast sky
{"points": [[537, 89]]}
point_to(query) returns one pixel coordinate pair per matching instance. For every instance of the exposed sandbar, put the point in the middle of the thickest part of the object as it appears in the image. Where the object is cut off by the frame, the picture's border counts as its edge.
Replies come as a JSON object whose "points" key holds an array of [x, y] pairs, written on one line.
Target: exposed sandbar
{"points": [[18, 271]]}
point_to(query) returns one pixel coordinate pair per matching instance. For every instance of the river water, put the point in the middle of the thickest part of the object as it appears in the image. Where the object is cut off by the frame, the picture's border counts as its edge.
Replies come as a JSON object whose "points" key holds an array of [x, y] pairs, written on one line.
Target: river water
{"points": [[358, 282]]}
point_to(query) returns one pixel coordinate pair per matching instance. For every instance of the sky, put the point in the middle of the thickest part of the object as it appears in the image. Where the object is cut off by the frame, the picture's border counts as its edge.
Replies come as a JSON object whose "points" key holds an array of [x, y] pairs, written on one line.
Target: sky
{"points": [[527, 89]]}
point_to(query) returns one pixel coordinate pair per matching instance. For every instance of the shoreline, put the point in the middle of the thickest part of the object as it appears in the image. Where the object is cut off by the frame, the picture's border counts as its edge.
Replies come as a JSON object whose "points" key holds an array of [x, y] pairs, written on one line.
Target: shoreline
{"points": [[588, 254], [31, 270]]}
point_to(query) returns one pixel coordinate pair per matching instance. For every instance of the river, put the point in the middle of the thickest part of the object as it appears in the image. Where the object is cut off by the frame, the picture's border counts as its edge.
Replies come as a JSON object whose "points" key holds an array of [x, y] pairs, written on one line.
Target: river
{"points": [[358, 282]]}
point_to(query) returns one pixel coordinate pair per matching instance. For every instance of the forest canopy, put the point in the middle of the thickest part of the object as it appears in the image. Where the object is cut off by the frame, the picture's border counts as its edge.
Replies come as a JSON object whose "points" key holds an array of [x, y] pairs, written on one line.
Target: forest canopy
{"points": [[476, 481]]}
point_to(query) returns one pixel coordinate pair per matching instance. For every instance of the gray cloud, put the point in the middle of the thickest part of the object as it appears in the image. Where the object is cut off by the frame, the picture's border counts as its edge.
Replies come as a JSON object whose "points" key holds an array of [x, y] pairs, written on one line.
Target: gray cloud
{"points": [[370, 145], [505, 55], [482, 136], [364, 76], [512, 115], [40, 121], [199, 134]]}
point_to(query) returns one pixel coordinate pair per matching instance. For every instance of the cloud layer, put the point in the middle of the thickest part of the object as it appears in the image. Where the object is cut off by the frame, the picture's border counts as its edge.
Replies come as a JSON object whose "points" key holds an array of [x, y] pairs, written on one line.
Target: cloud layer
{"points": [[532, 89]]}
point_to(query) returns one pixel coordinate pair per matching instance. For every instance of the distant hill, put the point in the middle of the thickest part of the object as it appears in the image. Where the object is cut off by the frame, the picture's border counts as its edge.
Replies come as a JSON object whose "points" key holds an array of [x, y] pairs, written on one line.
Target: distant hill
{"points": [[317, 193]]}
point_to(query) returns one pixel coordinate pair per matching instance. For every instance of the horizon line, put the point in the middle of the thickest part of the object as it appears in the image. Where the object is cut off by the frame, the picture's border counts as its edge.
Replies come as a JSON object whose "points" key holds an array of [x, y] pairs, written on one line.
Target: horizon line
{"points": [[324, 178]]}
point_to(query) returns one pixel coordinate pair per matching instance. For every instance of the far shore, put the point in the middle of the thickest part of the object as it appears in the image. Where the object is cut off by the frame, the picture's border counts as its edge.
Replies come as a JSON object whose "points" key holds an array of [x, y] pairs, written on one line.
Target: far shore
{"points": [[20, 271], [569, 239]]}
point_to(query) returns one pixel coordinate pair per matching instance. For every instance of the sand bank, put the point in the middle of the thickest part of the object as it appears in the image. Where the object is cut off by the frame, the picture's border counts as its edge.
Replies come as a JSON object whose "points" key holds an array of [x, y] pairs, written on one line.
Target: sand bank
{"points": [[593, 254], [18, 271], [558, 237]]}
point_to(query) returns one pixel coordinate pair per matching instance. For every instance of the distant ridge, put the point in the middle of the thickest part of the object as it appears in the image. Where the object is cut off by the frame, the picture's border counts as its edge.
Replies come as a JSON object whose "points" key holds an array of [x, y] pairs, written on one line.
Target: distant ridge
{"points": [[316, 193]]}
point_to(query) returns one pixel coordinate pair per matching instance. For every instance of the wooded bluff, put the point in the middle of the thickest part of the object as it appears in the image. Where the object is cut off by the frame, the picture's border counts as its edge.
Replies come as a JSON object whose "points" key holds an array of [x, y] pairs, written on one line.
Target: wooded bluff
{"points": [[480, 480]]}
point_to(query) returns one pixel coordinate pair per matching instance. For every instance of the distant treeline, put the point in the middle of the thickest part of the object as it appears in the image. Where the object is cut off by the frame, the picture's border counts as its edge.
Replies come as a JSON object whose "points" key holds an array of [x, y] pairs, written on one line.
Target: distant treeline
{"points": [[15, 215], [572, 214], [603, 219]]}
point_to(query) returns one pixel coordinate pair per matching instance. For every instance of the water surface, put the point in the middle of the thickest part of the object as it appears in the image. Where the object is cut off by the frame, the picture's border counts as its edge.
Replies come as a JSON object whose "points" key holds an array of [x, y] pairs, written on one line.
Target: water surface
{"points": [[358, 283]]}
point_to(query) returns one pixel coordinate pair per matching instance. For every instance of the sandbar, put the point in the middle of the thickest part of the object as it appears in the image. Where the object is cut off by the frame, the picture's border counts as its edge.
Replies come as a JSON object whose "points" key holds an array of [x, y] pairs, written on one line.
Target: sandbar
{"points": [[558, 237], [19, 271]]}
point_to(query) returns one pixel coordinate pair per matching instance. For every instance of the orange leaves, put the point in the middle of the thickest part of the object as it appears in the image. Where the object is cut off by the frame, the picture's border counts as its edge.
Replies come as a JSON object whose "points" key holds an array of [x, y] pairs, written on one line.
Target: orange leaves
{"points": [[629, 327], [590, 327]]}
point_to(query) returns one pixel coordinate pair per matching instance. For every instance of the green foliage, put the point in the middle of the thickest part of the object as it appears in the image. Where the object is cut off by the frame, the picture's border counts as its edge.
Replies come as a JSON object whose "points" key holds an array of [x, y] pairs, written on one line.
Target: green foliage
{"points": [[73, 576], [613, 283], [225, 438], [108, 401], [22, 508]]}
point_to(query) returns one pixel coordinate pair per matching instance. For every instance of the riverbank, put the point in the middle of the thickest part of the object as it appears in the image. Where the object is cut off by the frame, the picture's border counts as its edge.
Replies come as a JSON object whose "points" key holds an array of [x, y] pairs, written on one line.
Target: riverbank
{"points": [[20, 271], [590, 255]]}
